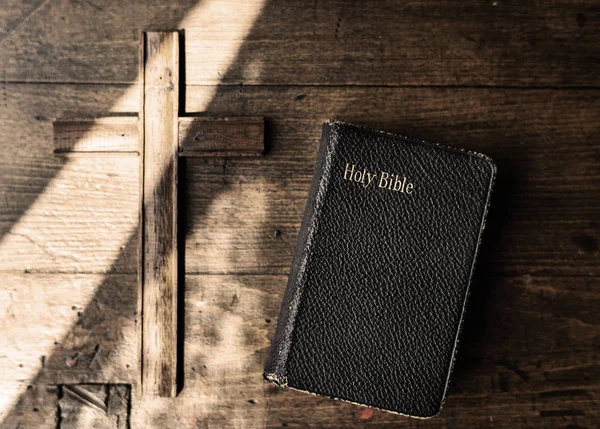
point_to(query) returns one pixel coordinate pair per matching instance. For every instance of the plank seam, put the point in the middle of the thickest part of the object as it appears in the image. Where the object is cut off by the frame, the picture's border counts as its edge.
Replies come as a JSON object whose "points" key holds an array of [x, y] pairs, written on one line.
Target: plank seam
{"points": [[314, 85]]}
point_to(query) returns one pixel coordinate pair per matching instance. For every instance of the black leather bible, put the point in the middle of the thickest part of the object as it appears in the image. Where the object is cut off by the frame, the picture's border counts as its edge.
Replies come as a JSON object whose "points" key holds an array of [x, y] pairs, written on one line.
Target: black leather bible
{"points": [[380, 278]]}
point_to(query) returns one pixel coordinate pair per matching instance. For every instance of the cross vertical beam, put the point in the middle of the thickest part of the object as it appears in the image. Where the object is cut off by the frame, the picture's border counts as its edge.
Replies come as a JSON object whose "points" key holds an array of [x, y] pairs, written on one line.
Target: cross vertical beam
{"points": [[159, 218]]}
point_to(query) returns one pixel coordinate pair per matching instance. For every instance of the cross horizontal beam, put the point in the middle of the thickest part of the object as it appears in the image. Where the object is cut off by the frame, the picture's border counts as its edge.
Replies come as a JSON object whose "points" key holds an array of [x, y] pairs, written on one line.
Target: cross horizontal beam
{"points": [[197, 136]]}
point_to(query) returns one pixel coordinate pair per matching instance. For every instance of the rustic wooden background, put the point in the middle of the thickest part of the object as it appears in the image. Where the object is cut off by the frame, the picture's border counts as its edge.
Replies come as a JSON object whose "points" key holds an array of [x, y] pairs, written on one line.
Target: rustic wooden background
{"points": [[515, 80]]}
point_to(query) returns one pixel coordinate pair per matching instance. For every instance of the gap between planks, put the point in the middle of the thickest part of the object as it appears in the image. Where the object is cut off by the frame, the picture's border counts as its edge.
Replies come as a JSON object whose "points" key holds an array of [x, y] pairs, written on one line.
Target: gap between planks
{"points": [[316, 85]]}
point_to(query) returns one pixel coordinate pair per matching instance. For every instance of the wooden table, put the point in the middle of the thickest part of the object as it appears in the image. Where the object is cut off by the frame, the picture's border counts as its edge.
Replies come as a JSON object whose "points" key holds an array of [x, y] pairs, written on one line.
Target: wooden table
{"points": [[518, 82]]}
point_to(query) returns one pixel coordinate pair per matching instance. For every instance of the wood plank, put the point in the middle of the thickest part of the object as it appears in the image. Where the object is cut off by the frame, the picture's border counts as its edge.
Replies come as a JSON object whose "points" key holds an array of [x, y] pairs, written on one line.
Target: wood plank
{"points": [[111, 134], [391, 43], [85, 329], [141, 89], [75, 216], [518, 348], [529, 355], [374, 43], [218, 137], [198, 136], [36, 407], [15, 14], [159, 260], [86, 332]]}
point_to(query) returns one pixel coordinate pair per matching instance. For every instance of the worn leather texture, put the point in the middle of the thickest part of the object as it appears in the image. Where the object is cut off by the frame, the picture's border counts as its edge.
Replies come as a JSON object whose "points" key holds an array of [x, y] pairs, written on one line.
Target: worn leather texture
{"points": [[380, 278]]}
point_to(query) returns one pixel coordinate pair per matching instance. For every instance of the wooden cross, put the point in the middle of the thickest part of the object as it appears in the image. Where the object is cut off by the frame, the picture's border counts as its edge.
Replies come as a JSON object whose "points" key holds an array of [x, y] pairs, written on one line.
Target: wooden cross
{"points": [[159, 136]]}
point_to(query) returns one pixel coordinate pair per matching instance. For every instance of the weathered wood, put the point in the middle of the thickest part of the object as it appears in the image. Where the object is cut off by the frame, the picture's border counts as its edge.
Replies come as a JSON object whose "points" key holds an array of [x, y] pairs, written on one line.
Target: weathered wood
{"points": [[112, 134], [243, 136], [156, 139], [36, 407], [85, 328], [240, 406], [27, 166], [159, 275], [154, 132], [76, 219], [94, 406], [376, 43], [15, 14], [200, 136], [229, 320], [508, 368]]}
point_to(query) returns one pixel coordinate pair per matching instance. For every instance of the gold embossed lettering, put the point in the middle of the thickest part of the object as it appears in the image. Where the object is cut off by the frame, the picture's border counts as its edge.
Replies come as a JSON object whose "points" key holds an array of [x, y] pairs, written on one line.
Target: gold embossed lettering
{"points": [[371, 176], [348, 171], [388, 181], [357, 176], [399, 184], [383, 180]]}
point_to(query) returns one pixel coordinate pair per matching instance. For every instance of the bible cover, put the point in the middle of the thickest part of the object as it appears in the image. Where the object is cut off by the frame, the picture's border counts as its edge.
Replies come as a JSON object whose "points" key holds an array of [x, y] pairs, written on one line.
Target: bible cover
{"points": [[379, 281]]}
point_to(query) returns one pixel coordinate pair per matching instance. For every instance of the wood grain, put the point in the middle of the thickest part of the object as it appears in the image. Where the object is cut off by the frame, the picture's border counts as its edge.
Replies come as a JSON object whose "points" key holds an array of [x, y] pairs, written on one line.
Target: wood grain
{"points": [[140, 92], [197, 136], [159, 276], [112, 134], [82, 220], [27, 166], [219, 137], [36, 407], [85, 328], [375, 43], [242, 207]]}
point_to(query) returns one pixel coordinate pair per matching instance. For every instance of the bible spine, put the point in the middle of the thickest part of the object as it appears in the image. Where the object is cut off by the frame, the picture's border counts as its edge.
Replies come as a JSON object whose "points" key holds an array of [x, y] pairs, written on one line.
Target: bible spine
{"points": [[276, 367]]}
